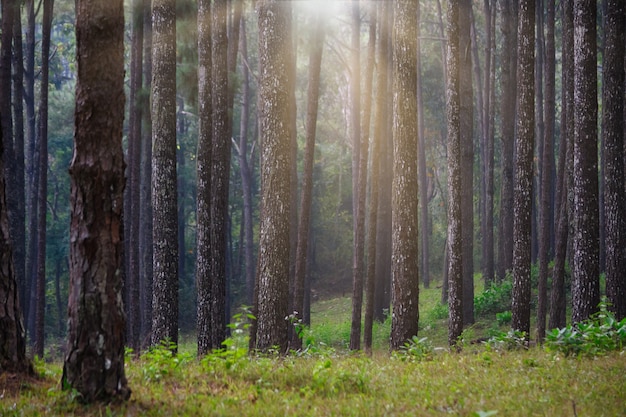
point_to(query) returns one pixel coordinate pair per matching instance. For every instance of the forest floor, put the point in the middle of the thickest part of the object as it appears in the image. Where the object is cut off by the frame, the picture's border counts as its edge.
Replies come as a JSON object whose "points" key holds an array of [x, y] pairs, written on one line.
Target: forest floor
{"points": [[425, 379]]}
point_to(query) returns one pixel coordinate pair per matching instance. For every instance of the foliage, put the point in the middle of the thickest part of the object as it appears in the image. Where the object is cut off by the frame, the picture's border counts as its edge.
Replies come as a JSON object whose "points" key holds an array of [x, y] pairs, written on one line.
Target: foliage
{"points": [[504, 318], [600, 334], [511, 340], [162, 361], [495, 299], [415, 349]]}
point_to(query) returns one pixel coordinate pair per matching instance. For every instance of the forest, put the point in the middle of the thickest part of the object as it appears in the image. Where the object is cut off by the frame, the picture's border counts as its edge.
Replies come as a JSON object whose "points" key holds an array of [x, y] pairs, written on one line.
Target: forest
{"points": [[216, 207]]}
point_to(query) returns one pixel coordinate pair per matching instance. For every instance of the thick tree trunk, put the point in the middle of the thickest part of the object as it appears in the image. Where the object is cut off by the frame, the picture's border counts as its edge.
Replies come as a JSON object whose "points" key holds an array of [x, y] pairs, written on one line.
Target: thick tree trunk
{"points": [[164, 190], [613, 142], [453, 112], [586, 273], [94, 362], [276, 162], [404, 248]]}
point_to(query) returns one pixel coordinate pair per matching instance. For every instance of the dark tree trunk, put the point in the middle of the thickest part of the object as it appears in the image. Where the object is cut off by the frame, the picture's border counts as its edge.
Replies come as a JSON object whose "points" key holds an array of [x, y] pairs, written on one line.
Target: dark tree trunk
{"points": [[466, 120], [545, 208], [357, 213], [205, 134], [509, 94], [315, 63], [276, 162], [134, 166], [42, 191], [12, 335], [613, 141], [164, 190], [404, 250], [586, 273], [370, 281], [94, 362], [453, 117], [557, 296], [145, 222], [524, 144]]}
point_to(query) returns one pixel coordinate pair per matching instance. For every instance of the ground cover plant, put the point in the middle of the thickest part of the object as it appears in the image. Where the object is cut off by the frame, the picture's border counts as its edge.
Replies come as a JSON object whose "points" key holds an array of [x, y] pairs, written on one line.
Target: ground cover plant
{"points": [[501, 376]]}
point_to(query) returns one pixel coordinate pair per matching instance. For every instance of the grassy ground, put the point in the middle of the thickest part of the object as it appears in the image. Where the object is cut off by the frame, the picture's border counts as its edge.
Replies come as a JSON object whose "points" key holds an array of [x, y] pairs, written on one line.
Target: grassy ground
{"points": [[328, 380]]}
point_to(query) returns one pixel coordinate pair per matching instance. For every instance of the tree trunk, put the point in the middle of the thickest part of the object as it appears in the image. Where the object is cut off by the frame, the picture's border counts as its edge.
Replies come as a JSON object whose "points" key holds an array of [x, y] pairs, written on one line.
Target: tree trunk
{"points": [[453, 113], [586, 273], [613, 141], [94, 362], [164, 192], [524, 145], [276, 162], [315, 63], [545, 209]]}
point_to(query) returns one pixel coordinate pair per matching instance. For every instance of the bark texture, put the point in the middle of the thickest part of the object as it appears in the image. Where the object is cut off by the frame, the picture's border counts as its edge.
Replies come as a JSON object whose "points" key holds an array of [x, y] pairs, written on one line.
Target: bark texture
{"points": [[94, 362], [404, 248]]}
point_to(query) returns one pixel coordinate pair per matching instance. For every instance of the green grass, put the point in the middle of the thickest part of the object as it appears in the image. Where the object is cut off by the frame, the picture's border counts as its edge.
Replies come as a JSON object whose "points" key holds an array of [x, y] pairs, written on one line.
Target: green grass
{"points": [[329, 380]]}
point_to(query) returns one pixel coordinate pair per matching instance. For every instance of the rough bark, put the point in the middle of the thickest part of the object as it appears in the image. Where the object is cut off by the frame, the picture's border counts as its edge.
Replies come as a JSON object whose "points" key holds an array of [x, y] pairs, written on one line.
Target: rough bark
{"points": [[94, 362], [273, 264], [613, 142], [453, 111], [164, 190], [545, 207], [404, 248], [586, 273], [315, 63], [524, 144]]}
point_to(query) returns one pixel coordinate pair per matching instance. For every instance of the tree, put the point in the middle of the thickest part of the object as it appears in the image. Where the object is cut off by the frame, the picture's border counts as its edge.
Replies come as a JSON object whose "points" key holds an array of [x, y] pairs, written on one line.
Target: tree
{"points": [[613, 143], [313, 93], [586, 267], [404, 250], [94, 362], [164, 190], [524, 144], [545, 207], [453, 109], [273, 263], [12, 333]]}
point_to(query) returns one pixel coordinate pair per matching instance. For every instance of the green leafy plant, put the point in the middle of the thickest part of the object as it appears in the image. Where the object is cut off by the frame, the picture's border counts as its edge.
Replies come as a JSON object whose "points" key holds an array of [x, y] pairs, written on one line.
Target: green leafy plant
{"points": [[415, 350], [599, 334], [162, 360], [511, 340], [495, 299], [504, 318]]}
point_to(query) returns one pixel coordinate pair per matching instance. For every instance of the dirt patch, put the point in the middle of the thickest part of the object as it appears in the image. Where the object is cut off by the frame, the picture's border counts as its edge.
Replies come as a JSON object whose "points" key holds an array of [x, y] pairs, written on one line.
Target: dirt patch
{"points": [[12, 385]]}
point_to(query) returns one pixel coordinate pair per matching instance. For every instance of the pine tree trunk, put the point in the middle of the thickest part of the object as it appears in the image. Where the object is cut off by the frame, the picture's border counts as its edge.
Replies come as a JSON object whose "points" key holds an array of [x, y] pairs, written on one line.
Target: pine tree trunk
{"points": [[94, 362]]}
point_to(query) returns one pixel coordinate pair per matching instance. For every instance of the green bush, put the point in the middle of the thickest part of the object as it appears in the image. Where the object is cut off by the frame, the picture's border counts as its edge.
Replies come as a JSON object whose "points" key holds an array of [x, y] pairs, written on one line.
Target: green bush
{"points": [[494, 299]]}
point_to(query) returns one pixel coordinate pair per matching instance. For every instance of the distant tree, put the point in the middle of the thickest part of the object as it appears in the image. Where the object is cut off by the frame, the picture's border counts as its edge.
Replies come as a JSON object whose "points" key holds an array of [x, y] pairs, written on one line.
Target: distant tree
{"points": [[613, 143], [586, 268], [557, 316], [94, 361], [404, 250], [313, 93], [273, 263], [524, 144], [453, 110], [507, 114], [357, 202], [164, 190]]}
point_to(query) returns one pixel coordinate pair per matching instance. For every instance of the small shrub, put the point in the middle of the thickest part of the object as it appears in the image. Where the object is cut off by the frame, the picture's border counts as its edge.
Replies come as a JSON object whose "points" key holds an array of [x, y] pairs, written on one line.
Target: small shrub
{"points": [[504, 318], [415, 350], [162, 360], [494, 299], [511, 340]]}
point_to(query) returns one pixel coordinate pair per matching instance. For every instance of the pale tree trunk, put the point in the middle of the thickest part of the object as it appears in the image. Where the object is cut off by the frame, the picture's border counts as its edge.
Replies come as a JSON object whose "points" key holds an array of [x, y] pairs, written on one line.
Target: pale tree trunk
{"points": [[524, 144], [276, 163], [164, 190], [545, 209], [453, 111], [94, 361], [315, 63], [404, 248], [586, 268], [613, 142]]}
